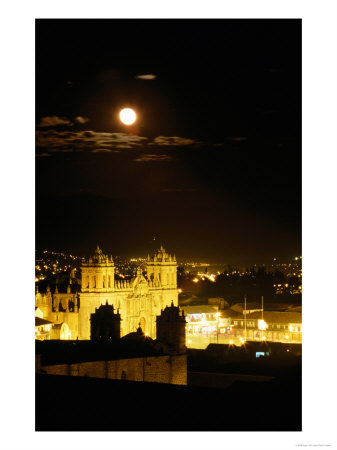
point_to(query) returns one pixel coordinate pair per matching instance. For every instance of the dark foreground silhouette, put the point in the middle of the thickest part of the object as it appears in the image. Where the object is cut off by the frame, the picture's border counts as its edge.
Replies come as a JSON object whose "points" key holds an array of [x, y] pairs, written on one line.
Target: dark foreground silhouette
{"points": [[89, 404]]}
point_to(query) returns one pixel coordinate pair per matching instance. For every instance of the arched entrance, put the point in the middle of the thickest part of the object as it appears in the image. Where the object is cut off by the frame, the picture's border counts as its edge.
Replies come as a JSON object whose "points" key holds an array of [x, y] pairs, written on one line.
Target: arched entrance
{"points": [[65, 333]]}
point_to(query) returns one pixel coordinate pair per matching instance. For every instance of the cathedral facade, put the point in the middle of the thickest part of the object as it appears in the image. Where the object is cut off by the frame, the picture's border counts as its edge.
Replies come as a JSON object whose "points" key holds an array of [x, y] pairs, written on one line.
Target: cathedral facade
{"points": [[138, 300]]}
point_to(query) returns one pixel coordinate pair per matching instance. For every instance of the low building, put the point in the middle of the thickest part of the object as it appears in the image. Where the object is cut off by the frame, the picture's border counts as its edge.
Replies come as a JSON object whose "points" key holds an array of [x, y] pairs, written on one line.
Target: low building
{"points": [[61, 331], [273, 326], [202, 319], [42, 328], [218, 301], [136, 362], [135, 356]]}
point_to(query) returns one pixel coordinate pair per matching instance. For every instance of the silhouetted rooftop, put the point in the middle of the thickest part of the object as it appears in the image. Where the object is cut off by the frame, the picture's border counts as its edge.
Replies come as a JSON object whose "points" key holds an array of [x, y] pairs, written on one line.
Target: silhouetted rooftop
{"points": [[62, 352], [39, 321]]}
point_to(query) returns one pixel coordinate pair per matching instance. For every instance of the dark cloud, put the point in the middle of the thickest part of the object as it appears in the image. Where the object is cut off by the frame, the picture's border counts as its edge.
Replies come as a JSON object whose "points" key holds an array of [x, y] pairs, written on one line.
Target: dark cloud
{"points": [[148, 76], [54, 121], [98, 141], [105, 150], [151, 158], [43, 155], [238, 139], [173, 141], [72, 141], [172, 190], [81, 119]]}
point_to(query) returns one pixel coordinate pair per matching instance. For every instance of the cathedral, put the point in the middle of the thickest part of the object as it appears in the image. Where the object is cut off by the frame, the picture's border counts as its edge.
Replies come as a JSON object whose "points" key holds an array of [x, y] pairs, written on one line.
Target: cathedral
{"points": [[138, 301]]}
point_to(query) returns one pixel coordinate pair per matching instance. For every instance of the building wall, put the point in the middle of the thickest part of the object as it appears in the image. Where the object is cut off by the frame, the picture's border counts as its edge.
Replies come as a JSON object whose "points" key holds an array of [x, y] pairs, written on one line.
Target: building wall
{"points": [[44, 303], [64, 299], [132, 306], [281, 335], [139, 300], [158, 369]]}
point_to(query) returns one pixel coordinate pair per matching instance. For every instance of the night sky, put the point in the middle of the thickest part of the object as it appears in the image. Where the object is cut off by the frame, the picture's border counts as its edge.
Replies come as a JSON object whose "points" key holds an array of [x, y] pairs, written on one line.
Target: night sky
{"points": [[212, 166]]}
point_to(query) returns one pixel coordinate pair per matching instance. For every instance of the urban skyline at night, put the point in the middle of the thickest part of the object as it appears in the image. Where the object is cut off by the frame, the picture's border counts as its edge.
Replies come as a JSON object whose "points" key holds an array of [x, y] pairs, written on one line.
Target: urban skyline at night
{"points": [[163, 177], [212, 165], [172, 164]]}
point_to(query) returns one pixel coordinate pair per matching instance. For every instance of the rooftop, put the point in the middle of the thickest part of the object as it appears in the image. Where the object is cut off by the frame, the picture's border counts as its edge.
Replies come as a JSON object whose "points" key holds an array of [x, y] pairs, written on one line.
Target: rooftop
{"points": [[68, 352], [39, 322], [273, 316]]}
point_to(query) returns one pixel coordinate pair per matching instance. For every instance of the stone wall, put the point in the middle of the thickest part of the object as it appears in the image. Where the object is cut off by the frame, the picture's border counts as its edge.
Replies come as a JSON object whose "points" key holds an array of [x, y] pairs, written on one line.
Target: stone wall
{"points": [[171, 369]]}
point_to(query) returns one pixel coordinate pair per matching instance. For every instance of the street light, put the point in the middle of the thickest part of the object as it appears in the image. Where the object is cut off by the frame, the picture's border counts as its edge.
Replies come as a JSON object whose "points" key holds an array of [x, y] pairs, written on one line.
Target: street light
{"points": [[262, 326], [217, 327]]}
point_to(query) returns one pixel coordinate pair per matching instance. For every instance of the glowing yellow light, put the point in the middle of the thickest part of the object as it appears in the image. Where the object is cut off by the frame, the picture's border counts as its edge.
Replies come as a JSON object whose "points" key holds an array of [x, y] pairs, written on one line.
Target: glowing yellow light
{"points": [[287, 337], [146, 334], [195, 280], [263, 338], [180, 291], [127, 116], [262, 324], [231, 342], [189, 341]]}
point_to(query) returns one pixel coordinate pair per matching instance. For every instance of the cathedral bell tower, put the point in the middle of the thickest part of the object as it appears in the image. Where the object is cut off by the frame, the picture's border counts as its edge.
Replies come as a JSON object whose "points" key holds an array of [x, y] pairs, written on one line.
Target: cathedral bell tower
{"points": [[97, 287], [162, 267], [98, 273], [171, 325]]}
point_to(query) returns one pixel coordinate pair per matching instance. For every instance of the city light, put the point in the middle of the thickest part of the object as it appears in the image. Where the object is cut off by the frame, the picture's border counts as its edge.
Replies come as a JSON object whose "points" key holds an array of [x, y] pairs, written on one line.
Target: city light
{"points": [[262, 325]]}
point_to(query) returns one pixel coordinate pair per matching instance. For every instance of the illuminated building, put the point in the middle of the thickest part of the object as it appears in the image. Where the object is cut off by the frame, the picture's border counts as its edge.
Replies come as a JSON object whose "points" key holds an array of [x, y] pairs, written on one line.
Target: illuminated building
{"points": [[135, 356], [42, 329], [139, 300], [276, 326], [201, 320]]}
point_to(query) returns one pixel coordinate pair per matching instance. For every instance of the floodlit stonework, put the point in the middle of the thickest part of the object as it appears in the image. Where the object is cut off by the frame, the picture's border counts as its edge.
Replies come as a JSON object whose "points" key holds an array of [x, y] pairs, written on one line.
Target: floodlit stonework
{"points": [[138, 300]]}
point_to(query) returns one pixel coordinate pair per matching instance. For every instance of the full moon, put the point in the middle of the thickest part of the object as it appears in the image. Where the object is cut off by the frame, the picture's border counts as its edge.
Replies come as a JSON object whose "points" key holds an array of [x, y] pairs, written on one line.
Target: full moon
{"points": [[127, 116]]}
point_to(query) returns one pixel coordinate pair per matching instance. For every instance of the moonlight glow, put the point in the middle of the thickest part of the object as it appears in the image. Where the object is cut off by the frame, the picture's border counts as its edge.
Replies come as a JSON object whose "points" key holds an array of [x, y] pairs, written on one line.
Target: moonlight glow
{"points": [[127, 116]]}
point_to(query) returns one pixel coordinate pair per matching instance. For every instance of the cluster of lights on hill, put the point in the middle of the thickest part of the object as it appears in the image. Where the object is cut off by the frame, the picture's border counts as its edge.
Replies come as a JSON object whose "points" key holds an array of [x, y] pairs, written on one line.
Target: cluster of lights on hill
{"points": [[52, 263]]}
